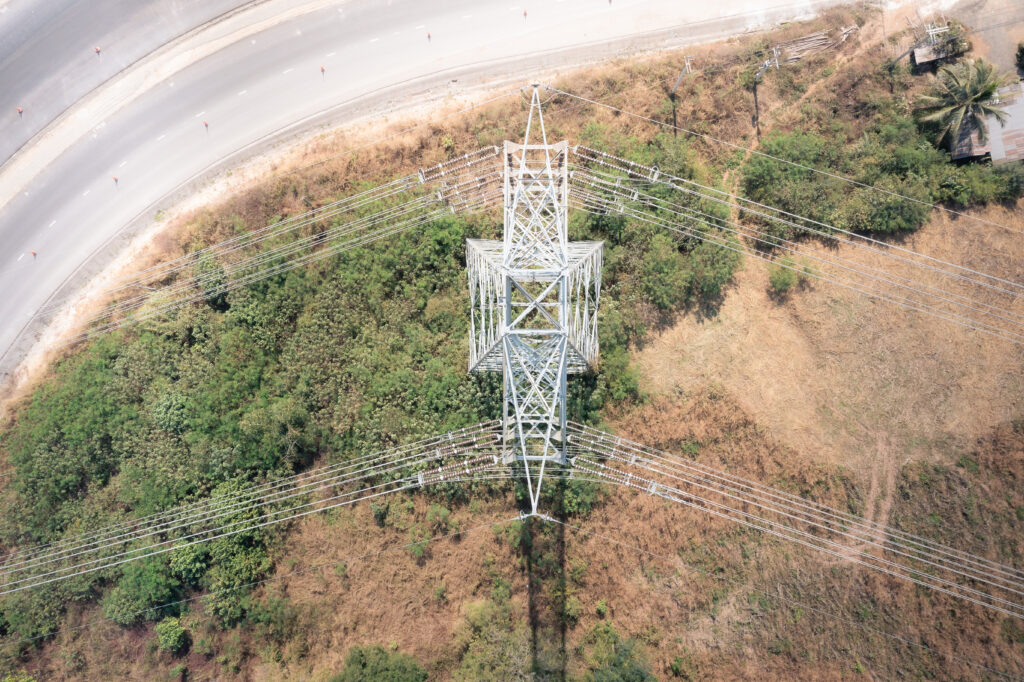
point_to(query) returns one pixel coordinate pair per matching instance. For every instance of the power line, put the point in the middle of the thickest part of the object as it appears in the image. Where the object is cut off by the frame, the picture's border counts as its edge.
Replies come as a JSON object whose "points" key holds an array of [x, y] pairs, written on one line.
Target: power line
{"points": [[808, 539], [254, 583], [656, 176], [769, 241], [474, 443], [589, 201], [446, 442], [634, 449], [268, 518], [781, 160], [474, 203], [604, 207], [463, 190], [814, 609]]}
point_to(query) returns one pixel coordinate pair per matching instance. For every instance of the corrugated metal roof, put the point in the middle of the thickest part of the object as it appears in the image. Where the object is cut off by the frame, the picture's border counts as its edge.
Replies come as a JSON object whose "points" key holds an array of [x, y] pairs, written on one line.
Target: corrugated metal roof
{"points": [[1007, 142]]}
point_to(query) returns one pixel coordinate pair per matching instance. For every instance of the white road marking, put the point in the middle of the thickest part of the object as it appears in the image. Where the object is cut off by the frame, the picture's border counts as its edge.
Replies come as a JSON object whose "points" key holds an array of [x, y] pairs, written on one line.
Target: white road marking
{"points": [[397, 33], [331, 54], [172, 83], [467, 16], [252, 42], [52, 223], [161, 137], [199, 114], [86, 193], [373, 40], [122, 164], [286, 72], [513, 9], [20, 257], [242, 92], [419, 27]]}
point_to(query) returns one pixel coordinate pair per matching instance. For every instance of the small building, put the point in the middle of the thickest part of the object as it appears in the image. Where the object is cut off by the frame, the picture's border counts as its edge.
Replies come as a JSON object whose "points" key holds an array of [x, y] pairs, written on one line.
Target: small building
{"points": [[969, 145], [1005, 141]]}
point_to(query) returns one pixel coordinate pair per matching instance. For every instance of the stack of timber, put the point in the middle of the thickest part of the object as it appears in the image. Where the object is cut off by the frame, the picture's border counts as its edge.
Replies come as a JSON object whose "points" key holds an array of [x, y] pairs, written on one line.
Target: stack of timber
{"points": [[812, 44]]}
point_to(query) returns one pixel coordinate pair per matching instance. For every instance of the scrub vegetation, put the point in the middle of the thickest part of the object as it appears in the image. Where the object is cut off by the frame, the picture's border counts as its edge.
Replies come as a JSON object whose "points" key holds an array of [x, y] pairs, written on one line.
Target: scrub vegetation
{"points": [[368, 350]]}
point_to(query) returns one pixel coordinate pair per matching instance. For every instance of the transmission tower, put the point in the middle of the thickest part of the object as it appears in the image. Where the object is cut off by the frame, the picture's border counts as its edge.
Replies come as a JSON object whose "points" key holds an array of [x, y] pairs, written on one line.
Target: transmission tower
{"points": [[534, 298]]}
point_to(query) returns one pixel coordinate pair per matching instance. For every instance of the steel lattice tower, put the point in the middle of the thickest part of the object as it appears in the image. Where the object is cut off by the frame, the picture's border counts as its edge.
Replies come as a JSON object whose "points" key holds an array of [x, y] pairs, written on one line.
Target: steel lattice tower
{"points": [[534, 300]]}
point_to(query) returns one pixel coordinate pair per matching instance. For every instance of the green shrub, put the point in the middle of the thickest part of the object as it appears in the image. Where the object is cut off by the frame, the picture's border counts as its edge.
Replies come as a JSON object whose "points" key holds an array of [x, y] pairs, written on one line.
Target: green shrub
{"points": [[171, 636], [418, 540], [601, 609], [376, 664], [610, 658], [495, 644], [666, 276], [683, 667], [572, 609], [1012, 631], [782, 277], [439, 519], [145, 586], [189, 563], [380, 513]]}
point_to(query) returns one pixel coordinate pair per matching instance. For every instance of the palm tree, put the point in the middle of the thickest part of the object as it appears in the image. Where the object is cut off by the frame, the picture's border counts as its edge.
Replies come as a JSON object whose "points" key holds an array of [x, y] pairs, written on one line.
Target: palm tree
{"points": [[961, 95]]}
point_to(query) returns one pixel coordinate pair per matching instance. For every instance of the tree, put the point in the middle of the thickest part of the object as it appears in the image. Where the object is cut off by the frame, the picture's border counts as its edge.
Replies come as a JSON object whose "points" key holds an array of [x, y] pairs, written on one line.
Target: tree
{"points": [[1020, 56], [373, 663], [960, 96]]}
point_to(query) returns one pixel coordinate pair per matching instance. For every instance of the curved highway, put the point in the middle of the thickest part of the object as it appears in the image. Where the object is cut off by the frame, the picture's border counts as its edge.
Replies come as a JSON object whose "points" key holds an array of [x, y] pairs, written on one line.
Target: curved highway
{"points": [[270, 85], [47, 51]]}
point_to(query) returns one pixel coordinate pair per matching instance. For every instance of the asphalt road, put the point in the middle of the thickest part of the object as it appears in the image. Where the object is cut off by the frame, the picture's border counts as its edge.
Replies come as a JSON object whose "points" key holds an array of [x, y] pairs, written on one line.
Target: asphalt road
{"points": [[375, 52], [47, 57]]}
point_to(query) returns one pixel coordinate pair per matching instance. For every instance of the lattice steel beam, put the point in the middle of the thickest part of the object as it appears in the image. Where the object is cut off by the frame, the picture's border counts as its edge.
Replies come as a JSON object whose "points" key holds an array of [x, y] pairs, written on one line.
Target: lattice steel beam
{"points": [[534, 299]]}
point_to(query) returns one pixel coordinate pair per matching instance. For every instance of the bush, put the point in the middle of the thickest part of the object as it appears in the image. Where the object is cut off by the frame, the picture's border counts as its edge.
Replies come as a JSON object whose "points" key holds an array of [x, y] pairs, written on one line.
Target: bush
{"points": [[495, 644], [666, 276], [787, 274], [439, 519], [171, 636], [781, 278], [380, 513], [684, 668], [610, 658], [375, 664], [144, 587]]}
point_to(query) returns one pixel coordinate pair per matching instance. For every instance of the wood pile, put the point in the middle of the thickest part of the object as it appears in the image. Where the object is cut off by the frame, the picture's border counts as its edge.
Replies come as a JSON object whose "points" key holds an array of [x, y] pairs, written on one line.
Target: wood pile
{"points": [[808, 45]]}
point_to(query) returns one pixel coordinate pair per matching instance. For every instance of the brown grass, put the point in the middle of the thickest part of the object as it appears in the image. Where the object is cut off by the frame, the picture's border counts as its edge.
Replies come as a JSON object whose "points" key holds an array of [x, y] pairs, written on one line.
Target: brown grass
{"points": [[850, 381]]}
